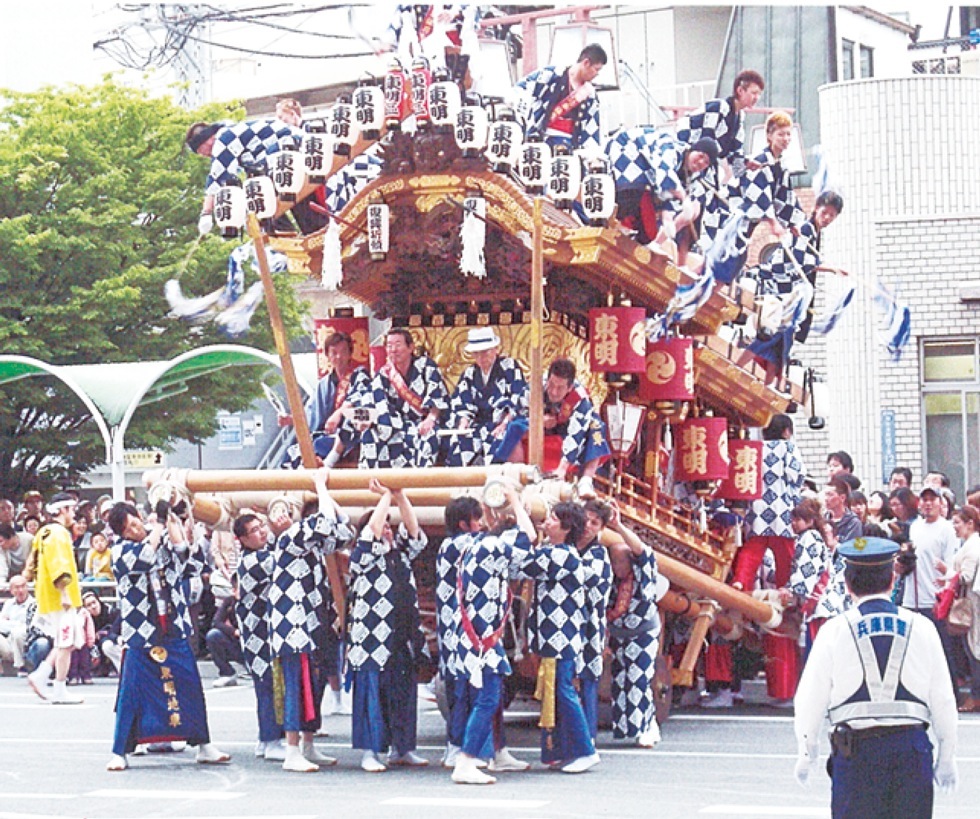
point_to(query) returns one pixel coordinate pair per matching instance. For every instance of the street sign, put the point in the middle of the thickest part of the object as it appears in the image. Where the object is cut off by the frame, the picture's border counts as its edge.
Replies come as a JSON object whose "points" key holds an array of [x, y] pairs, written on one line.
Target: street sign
{"points": [[142, 458]]}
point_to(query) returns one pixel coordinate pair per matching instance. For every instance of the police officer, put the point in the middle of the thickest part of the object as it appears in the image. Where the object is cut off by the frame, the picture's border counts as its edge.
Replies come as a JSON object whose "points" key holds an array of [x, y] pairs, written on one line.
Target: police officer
{"points": [[878, 672]]}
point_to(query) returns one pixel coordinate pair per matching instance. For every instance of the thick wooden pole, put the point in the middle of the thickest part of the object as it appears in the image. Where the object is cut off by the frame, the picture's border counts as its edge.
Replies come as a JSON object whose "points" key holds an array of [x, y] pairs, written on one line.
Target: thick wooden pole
{"points": [[535, 434]]}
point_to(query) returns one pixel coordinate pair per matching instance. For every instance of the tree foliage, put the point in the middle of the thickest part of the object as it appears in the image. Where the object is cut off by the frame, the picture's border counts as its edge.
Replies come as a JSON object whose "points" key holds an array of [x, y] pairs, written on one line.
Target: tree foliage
{"points": [[98, 209]]}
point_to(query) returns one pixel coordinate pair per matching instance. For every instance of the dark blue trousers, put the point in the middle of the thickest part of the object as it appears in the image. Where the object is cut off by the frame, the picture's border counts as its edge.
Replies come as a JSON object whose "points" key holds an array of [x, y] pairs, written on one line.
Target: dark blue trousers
{"points": [[570, 738], [887, 777], [484, 704], [295, 694], [588, 691], [265, 707], [385, 704]]}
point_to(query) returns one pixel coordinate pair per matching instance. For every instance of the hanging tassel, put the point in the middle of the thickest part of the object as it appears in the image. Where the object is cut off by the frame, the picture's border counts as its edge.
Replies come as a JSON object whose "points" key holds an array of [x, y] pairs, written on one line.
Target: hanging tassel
{"points": [[194, 310], [234, 321], [332, 273], [472, 261]]}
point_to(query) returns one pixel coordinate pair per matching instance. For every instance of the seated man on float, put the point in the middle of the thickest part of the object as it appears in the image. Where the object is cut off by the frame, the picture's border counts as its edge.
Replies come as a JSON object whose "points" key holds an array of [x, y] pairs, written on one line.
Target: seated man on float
{"points": [[405, 401], [570, 418], [653, 172], [336, 395], [489, 395]]}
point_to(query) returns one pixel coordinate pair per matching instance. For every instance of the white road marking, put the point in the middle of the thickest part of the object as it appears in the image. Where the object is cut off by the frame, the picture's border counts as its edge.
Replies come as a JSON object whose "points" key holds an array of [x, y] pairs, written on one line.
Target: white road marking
{"points": [[447, 802], [764, 810], [202, 795], [6, 815]]}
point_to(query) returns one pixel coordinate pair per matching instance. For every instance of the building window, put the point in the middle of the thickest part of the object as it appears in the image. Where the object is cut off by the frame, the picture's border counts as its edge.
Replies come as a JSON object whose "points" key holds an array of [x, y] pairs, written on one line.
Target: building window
{"points": [[866, 54], [846, 60], [951, 409]]}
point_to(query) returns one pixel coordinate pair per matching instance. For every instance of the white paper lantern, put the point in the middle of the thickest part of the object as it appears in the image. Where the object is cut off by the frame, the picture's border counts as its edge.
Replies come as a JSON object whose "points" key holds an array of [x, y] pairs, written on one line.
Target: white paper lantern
{"points": [[288, 174], [565, 179], [369, 109], [504, 145], [378, 218], [260, 194], [317, 153], [444, 103], [342, 130], [230, 210], [598, 195], [535, 166], [470, 130]]}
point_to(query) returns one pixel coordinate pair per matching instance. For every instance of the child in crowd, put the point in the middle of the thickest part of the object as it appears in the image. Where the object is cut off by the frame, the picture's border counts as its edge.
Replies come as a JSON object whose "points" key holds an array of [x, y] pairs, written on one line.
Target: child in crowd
{"points": [[80, 668], [98, 562]]}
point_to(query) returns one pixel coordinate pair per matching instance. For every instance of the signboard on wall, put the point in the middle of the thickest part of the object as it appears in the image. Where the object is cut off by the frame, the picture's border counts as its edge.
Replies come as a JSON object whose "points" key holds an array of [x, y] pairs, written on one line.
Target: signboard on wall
{"points": [[888, 456]]}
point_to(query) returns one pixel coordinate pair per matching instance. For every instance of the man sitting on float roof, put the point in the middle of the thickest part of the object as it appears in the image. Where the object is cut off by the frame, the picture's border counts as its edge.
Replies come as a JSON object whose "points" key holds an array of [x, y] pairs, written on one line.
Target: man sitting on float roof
{"points": [[407, 396], [570, 414]]}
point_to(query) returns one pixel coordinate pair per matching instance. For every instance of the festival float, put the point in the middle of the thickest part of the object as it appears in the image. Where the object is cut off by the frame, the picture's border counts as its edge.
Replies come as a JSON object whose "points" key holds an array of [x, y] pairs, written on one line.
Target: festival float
{"points": [[467, 226]]}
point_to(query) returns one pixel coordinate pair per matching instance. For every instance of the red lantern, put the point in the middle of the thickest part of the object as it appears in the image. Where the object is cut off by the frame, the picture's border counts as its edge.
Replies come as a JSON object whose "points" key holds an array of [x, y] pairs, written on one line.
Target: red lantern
{"points": [[668, 374], [398, 96], [356, 328], [420, 79], [744, 481], [617, 339], [701, 449]]}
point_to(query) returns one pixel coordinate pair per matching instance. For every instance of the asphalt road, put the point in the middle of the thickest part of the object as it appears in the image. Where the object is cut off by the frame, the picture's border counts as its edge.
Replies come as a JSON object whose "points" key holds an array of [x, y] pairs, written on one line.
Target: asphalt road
{"points": [[736, 763]]}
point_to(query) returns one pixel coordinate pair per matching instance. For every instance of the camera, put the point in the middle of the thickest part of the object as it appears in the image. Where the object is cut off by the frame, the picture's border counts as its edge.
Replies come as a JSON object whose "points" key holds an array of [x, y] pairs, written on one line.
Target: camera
{"points": [[905, 559]]}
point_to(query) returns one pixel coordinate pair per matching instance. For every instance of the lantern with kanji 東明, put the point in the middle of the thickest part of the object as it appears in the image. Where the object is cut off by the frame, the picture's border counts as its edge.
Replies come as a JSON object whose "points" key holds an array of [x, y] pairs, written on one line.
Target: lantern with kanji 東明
{"points": [[565, 178], [444, 103], [504, 142], [260, 195], [317, 152], [535, 166], [744, 481], [701, 449], [598, 194], [369, 114], [398, 99], [230, 209], [617, 339], [667, 380], [378, 215], [288, 174], [342, 130], [420, 79], [472, 123]]}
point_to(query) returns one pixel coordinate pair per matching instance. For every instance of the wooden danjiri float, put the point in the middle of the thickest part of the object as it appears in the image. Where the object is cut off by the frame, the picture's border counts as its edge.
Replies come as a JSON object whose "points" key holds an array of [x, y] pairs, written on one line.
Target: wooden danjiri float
{"points": [[552, 286]]}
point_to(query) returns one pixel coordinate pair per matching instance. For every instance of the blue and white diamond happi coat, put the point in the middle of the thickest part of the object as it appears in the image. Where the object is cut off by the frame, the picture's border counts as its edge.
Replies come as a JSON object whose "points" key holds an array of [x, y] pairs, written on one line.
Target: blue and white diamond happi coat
{"points": [[447, 608], [254, 581], [783, 473], [247, 143], [633, 641], [301, 606], [598, 584], [372, 610], [557, 621], [394, 440], [646, 158], [484, 402], [718, 120], [132, 564], [583, 435], [540, 92], [485, 570], [811, 558]]}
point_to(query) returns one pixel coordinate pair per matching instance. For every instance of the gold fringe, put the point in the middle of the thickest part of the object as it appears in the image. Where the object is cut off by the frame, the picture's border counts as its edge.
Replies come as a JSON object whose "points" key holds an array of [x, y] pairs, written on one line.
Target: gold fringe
{"points": [[545, 691]]}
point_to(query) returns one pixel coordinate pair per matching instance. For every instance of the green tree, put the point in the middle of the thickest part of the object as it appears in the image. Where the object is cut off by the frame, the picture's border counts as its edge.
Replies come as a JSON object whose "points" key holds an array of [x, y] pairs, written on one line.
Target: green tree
{"points": [[98, 209]]}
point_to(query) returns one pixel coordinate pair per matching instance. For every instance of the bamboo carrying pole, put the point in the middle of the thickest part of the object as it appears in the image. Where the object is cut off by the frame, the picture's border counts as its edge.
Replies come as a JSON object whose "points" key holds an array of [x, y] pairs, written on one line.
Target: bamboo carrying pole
{"points": [[535, 433]]}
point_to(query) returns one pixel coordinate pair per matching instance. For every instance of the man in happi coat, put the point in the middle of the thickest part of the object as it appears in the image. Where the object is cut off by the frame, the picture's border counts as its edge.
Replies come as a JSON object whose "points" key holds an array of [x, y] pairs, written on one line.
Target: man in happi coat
{"points": [[160, 698], [408, 396], [488, 395]]}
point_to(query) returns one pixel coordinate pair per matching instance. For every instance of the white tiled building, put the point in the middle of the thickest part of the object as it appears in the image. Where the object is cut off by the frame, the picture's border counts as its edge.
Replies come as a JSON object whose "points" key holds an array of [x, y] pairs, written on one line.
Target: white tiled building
{"points": [[904, 154]]}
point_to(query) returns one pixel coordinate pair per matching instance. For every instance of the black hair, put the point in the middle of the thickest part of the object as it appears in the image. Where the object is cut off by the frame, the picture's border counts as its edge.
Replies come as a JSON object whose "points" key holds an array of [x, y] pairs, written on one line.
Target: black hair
{"points": [[864, 580], [118, 514], [906, 497], [461, 510], [7, 531], [943, 477], [905, 472], [338, 337], [853, 481], [830, 199], [746, 77], [873, 530], [845, 460], [242, 522], [599, 509], [405, 334], [562, 368], [777, 428], [840, 486], [594, 53], [572, 517]]}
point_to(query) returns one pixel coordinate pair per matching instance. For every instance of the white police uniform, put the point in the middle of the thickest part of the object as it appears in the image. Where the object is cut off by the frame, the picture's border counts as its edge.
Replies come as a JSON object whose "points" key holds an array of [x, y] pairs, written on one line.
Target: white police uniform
{"points": [[879, 674]]}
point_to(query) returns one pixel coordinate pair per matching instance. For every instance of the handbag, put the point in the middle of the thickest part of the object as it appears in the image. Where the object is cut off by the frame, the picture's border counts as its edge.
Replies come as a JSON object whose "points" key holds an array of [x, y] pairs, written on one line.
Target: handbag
{"points": [[945, 598], [959, 620]]}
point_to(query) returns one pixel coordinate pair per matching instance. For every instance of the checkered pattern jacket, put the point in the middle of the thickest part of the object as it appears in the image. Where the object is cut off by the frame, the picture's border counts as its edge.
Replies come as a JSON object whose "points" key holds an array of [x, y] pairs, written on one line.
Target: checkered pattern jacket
{"points": [[300, 603], [254, 580], [351, 179], [247, 143], [132, 566], [484, 403], [782, 482], [485, 569], [557, 622], [718, 120], [447, 609], [375, 566], [646, 158], [811, 558], [582, 432], [766, 193], [541, 91], [642, 608], [598, 584], [788, 264]]}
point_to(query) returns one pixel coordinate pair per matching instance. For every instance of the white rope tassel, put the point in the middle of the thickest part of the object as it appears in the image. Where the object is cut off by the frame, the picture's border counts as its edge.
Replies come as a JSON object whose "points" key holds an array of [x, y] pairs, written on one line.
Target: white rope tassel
{"points": [[332, 273], [472, 261]]}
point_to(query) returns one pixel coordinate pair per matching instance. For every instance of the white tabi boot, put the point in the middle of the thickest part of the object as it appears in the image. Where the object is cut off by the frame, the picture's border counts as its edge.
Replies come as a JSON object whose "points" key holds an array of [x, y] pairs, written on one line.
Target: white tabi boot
{"points": [[504, 760], [60, 695], [466, 772], [207, 754], [296, 762], [117, 763], [311, 754], [371, 763]]}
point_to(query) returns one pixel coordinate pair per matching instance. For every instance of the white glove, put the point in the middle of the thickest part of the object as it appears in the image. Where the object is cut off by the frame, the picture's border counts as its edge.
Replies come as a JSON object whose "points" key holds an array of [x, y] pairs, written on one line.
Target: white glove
{"points": [[204, 224], [946, 776], [806, 766]]}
